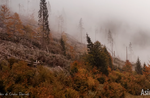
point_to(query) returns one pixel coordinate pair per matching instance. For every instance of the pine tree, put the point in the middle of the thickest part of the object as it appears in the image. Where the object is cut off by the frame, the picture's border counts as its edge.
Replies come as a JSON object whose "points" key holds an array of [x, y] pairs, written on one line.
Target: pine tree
{"points": [[138, 67], [96, 56], [144, 68], [109, 58], [146, 71], [43, 21], [90, 44]]}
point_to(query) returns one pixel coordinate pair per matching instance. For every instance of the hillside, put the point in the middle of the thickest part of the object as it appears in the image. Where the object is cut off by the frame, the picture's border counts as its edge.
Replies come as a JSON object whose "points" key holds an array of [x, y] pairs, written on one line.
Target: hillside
{"points": [[41, 63]]}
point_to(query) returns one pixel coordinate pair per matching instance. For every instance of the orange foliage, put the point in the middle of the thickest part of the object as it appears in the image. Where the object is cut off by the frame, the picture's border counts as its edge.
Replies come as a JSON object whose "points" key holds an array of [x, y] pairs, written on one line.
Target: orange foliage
{"points": [[127, 67], [12, 24], [17, 24], [42, 91], [147, 71], [5, 14], [5, 17], [113, 90]]}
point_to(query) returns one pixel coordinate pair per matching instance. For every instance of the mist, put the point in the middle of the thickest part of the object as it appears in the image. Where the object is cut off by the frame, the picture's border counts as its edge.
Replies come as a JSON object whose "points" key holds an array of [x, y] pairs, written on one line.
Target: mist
{"points": [[128, 21]]}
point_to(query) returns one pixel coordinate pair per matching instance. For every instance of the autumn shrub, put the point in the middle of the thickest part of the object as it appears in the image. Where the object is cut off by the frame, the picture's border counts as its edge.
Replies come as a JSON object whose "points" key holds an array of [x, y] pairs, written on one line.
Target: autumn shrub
{"points": [[147, 84], [4, 64], [142, 81], [44, 75], [112, 78], [134, 88], [44, 90], [83, 80], [112, 90], [101, 79], [146, 71], [74, 68], [17, 77], [47, 81], [80, 83], [115, 76], [134, 83], [56, 84], [92, 84], [71, 93], [12, 61], [127, 67]]}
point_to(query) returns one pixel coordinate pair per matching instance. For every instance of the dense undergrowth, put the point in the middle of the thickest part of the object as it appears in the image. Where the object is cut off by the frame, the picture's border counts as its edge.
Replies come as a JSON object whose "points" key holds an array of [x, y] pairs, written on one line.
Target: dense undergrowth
{"points": [[82, 81]]}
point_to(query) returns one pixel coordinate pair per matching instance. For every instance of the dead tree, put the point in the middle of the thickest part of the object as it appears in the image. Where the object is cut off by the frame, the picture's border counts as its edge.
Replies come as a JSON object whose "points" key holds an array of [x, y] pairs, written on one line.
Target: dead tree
{"points": [[81, 28], [43, 22]]}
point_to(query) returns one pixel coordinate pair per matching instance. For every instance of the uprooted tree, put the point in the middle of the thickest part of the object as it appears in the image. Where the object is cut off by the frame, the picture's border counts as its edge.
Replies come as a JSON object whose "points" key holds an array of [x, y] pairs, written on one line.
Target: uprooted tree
{"points": [[43, 22]]}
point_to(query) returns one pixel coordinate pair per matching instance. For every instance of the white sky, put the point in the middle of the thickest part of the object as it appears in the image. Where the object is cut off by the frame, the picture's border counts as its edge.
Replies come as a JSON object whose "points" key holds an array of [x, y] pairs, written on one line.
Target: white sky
{"points": [[135, 13]]}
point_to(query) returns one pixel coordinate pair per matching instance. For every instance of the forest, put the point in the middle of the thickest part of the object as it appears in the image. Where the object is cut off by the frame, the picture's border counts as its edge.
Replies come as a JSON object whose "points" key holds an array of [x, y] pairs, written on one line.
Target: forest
{"points": [[37, 63]]}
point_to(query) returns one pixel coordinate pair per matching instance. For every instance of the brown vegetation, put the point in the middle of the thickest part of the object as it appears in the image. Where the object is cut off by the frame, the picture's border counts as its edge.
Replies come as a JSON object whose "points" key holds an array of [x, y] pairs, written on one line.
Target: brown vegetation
{"points": [[75, 74]]}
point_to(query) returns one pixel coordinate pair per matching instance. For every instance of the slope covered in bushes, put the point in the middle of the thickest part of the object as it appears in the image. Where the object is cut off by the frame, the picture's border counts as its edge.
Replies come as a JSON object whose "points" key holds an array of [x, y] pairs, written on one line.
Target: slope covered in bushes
{"points": [[63, 68]]}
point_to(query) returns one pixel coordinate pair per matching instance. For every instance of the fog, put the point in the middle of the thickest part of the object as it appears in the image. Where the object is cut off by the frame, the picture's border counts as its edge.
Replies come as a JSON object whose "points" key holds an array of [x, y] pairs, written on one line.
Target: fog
{"points": [[130, 20]]}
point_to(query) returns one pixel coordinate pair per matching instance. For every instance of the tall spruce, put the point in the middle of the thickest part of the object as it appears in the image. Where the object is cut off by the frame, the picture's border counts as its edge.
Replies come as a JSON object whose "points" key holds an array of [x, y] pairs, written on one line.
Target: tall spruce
{"points": [[144, 68], [97, 56], [90, 44], [109, 58], [43, 21], [138, 67]]}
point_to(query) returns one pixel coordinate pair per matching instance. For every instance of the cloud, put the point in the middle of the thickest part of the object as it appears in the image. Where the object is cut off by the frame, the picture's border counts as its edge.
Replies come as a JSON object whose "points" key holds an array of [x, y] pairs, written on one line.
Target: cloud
{"points": [[129, 15]]}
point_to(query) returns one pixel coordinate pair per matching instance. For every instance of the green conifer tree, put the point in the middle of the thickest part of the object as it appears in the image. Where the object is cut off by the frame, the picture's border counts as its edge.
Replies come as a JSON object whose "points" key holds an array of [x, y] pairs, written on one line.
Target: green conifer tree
{"points": [[109, 58], [96, 56], [138, 67], [144, 68]]}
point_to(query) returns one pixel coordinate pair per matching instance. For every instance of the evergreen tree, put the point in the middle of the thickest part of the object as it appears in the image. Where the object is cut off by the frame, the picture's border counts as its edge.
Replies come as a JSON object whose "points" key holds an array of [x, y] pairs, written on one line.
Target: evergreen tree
{"points": [[96, 56], [43, 21], [138, 67], [90, 44], [144, 68], [109, 58]]}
